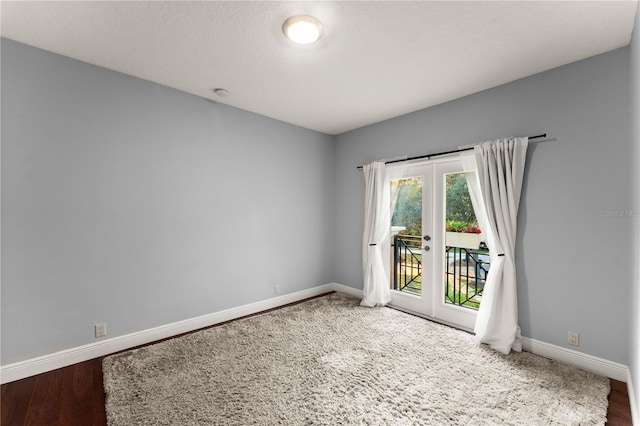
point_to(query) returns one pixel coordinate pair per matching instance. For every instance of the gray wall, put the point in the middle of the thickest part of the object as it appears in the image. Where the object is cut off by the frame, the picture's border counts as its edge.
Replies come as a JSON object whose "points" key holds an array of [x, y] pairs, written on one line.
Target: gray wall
{"points": [[634, 197], [133, 204], [572, 258]]}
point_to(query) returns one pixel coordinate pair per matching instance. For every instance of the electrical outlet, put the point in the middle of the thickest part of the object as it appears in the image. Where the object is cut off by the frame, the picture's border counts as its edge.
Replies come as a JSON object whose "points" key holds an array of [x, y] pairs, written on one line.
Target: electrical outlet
{"points": [[574, 338], [276, 289], [101, 329]]}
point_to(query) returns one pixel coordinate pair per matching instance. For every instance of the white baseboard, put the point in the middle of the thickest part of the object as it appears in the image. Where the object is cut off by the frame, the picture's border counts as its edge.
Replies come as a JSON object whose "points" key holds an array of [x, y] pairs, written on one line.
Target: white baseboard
{"points": [[346, 289], [31, 367], [581, 360], [635, 419]]}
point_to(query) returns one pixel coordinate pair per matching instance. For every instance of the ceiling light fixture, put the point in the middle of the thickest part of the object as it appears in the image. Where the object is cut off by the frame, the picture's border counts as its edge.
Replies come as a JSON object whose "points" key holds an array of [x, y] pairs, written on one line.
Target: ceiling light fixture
{"points": [[302, 29]]}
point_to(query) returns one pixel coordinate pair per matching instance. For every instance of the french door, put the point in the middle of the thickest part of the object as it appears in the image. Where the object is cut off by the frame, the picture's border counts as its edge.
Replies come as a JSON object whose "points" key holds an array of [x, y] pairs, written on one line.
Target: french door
{"points": [[434, 273]]}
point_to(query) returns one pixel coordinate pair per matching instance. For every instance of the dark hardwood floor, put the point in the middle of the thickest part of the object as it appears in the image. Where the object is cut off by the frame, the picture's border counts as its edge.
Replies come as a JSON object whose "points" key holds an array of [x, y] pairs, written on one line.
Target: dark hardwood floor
{"points": [[619, 411], [71, 395], [74, 395]]}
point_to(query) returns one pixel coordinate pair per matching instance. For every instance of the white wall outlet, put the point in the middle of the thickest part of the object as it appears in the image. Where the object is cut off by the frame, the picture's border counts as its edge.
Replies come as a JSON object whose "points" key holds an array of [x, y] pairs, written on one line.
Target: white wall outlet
{"points": [[574, 338], [276, 288], [101, 329]]}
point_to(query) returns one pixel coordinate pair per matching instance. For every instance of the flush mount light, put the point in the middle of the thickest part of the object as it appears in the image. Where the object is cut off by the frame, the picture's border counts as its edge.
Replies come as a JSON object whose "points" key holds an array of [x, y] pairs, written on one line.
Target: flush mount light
{"points": [[302, 29]]}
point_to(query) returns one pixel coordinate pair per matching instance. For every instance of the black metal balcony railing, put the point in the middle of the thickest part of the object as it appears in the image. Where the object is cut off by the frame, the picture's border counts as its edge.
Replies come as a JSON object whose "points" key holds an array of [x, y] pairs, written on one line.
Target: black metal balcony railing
{"points": [[465, 271], [407, 264]]}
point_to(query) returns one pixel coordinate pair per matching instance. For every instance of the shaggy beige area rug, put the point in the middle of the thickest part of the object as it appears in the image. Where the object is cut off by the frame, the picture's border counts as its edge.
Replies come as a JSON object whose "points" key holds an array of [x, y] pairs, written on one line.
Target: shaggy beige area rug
{"points": [[329, 361]]}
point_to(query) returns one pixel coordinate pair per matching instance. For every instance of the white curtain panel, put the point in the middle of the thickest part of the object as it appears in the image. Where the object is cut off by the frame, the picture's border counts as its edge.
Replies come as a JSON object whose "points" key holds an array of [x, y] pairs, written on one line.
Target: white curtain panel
{"points": [[496, 196], [377, 224]]}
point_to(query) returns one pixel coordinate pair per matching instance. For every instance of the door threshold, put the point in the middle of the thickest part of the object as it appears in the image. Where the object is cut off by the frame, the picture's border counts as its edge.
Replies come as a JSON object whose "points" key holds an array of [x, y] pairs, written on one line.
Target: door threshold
{"points": [[432, 319]]}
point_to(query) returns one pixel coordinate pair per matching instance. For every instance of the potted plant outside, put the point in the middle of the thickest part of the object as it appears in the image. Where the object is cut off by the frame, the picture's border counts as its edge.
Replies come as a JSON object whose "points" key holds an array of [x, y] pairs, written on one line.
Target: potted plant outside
{"points": [[460, 234]]}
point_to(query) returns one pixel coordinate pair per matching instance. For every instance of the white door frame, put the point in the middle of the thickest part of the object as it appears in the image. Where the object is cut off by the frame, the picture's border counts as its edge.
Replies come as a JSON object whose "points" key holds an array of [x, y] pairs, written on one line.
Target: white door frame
{"points": [[431, 301], [422, 303]]}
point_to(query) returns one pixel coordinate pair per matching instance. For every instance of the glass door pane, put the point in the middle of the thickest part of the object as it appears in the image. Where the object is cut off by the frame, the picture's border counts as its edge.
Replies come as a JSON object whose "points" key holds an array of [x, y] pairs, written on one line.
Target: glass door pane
{"points": [[406, 235], [466, 256]]}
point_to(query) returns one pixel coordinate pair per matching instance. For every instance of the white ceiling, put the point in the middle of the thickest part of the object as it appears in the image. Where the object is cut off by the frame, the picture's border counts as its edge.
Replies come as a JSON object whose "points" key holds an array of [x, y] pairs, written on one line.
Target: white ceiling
{"points": [[377, 60]]}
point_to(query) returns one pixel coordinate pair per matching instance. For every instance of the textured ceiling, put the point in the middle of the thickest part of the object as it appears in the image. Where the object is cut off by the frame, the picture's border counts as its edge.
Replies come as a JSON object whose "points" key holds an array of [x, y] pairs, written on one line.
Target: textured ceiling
{"points": [[377, 60]]}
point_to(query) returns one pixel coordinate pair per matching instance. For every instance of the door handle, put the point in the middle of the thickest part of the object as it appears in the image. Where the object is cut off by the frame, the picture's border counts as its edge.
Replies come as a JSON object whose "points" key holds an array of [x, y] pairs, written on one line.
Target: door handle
{"points": [[427, 238]]}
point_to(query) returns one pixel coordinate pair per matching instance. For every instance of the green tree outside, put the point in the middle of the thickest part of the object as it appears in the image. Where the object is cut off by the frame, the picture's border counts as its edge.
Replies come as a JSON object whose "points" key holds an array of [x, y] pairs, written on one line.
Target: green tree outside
{"points": [[459, 206], [408, 208]]}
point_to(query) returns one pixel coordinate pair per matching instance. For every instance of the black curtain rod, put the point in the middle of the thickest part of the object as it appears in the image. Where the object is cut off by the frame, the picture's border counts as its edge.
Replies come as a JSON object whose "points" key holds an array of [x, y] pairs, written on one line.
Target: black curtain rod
{"points": [[544, 135]]}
